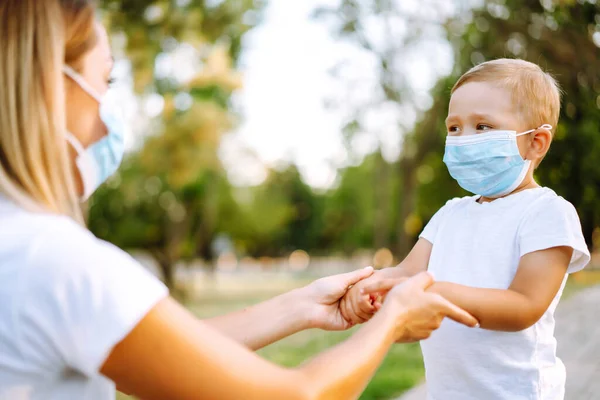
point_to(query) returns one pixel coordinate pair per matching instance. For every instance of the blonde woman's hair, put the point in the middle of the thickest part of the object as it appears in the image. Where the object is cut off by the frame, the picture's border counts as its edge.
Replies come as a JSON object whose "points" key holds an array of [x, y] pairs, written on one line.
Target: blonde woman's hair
{"points": [[37, 38], [535, 93]]}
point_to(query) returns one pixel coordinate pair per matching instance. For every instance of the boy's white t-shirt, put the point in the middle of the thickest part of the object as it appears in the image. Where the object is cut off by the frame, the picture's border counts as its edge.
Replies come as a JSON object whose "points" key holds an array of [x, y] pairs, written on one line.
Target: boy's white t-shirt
{"points": [[480, 245], [66, 299]]}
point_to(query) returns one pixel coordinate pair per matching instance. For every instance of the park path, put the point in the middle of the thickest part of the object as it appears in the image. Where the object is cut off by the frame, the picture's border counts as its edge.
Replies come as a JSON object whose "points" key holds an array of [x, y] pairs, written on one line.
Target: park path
{"points": [[578, 335]]}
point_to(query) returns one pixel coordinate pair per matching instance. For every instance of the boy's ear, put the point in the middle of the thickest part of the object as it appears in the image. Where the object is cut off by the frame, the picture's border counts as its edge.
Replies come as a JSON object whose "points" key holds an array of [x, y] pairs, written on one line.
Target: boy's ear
{"points": [[540, 143]]}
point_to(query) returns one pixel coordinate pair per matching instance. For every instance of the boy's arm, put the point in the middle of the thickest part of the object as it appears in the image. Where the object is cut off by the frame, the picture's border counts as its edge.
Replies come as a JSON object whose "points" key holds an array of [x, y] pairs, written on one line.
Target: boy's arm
{"points": [[415, 262], [358, 308], [531, 292]]}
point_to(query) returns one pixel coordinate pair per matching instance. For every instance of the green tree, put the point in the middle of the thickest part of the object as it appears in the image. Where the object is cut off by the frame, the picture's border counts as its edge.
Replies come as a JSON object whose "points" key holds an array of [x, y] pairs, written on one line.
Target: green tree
{"points": [[390, 33], [172, 197], [350, 208], [281, 215]]}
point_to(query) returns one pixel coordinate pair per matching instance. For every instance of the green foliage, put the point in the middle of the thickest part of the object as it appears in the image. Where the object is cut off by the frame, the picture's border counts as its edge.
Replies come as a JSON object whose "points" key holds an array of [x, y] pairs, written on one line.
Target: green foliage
{"points": [[401, 369], [279, 216], [173, 198], [350, 209]]}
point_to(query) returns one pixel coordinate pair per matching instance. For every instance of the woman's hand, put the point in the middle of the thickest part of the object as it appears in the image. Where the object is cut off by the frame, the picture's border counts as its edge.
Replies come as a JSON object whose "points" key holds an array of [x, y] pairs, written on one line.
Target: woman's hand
{"points": [[419, 312], [322, 298]]}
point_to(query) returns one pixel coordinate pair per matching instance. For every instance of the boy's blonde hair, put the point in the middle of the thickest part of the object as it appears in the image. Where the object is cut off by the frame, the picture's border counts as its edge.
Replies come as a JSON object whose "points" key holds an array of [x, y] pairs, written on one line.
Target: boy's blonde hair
{"points": [[535, 93]]}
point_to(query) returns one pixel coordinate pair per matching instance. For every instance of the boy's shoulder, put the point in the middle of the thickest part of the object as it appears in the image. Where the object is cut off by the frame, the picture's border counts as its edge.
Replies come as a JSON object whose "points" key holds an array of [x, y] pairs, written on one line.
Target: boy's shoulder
{"points": [[542, 200], [546, 202], [458, 201], [552, 221]]}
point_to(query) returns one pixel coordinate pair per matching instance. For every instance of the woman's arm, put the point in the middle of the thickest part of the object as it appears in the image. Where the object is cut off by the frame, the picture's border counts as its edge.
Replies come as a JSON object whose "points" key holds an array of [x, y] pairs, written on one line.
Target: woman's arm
{"points": [[258, 326], [172, 355], [313, 306]]}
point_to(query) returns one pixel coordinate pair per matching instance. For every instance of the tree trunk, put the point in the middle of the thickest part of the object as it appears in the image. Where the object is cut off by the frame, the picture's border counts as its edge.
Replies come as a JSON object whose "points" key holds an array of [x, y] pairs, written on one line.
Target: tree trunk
{"points": [[168, 273], [588, 227], [408, 201], [166, 266], [382, 203], [170, 252]]}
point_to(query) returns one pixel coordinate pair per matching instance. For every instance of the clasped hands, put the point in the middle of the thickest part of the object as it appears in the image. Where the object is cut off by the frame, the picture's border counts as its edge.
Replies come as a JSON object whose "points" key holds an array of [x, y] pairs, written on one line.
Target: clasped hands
{"points": [[342, 301]]}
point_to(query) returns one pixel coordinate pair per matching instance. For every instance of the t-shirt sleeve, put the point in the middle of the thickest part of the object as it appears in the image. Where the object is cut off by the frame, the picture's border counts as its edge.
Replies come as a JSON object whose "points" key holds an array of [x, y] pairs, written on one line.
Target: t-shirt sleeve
{"points": [[85, 296], [553, 223], [432, 227]]}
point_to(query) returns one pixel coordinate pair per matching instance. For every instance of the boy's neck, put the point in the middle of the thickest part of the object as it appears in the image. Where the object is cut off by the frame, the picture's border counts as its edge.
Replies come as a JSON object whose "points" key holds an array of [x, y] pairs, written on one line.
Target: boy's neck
{"points": [[528, 183]]}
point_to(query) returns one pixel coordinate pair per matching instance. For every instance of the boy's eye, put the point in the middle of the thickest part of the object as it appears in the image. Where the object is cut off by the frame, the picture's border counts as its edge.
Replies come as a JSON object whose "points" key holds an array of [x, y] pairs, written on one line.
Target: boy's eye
{"points": [[111, 81], [453, 130], [484, 127]]}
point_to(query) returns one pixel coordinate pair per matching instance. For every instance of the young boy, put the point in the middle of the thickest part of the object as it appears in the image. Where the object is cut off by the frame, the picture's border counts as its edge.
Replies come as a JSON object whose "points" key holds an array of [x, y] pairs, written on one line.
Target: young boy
{"points": [[503, 254]]}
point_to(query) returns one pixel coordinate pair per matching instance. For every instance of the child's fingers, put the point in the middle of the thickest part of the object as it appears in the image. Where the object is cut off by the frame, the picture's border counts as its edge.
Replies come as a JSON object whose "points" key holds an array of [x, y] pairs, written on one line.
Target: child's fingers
{"points": [[378, 301], [349, 313], [344, 310], [372, 298], [363, 307], [347, 310]]}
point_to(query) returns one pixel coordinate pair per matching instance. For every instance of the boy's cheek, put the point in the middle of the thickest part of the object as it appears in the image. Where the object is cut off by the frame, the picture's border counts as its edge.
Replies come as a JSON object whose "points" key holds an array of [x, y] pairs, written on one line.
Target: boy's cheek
{"points": [[524, 145]]}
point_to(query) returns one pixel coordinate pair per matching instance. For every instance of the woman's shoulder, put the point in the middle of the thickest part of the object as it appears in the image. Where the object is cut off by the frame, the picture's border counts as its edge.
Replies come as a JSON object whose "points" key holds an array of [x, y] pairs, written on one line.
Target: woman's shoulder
{"points": [[43, 247], [44, 238], [19, 221], [68, 252], [72, 292]]}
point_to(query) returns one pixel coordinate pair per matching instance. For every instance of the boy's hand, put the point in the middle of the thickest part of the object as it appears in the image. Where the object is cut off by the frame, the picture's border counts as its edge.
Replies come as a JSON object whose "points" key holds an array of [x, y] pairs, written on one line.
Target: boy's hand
{"points": [[357, 306], [323, 298]]}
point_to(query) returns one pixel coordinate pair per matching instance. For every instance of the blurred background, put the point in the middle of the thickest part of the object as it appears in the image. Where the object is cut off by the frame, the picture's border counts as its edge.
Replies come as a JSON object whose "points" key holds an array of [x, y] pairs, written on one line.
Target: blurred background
{"points": [[277, 141]]}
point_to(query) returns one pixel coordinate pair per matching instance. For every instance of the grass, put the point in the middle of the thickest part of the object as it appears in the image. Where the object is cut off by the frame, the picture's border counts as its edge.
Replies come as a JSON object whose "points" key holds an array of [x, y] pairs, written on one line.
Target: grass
{"points": [[402, 368]]}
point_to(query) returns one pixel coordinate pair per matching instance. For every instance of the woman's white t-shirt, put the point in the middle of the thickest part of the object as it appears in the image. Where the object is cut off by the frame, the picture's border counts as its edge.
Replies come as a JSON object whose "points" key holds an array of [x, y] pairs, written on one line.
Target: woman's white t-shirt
{"points": [[66, 299], [480, 245]]}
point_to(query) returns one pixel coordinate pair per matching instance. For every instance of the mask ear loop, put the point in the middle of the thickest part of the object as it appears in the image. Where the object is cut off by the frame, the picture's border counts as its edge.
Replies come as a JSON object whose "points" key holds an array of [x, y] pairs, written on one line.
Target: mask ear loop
{"points": [[71, 73], [545, 126], [86, 168], [75, 143]]}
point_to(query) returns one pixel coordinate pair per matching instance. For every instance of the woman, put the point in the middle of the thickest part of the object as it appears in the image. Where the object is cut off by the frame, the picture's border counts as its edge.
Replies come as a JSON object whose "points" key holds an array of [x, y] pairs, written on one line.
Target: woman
{"points": [[76, 313]]}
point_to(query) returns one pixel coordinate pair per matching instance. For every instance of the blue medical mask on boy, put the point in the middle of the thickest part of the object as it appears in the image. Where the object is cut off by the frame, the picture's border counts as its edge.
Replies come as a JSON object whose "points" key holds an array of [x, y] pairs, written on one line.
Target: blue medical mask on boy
{"points": [[488, 164], [102, 158]]}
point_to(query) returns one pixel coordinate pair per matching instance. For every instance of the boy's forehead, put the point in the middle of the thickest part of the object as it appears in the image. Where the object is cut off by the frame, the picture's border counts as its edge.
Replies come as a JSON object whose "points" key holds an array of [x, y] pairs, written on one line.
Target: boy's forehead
{"points": [[480, 98]]}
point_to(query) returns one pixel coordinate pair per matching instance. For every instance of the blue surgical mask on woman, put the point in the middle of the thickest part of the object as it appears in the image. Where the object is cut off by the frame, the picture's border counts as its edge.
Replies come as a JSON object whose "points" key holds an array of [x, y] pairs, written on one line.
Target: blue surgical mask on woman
{"points": [[101, 159], [488, 164]]}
